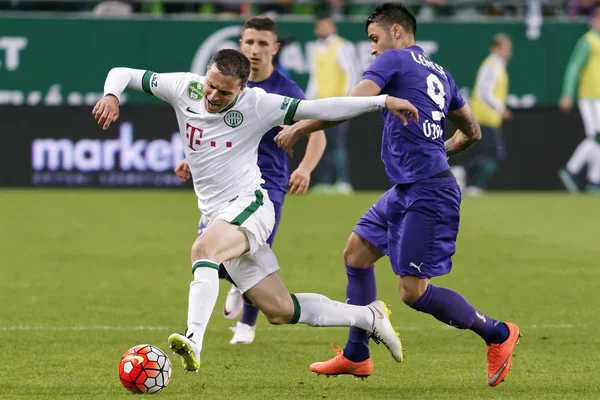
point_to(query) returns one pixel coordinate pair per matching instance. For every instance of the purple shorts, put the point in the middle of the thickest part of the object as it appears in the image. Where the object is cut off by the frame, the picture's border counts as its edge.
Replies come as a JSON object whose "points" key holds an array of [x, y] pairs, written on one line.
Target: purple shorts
{"points": [[416, 225], [276, 197]]}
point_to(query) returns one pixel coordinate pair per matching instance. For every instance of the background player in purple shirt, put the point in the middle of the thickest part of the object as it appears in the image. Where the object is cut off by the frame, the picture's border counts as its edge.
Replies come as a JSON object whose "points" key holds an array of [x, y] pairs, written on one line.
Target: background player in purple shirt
{"points": [[259, 44], [416, 222]]}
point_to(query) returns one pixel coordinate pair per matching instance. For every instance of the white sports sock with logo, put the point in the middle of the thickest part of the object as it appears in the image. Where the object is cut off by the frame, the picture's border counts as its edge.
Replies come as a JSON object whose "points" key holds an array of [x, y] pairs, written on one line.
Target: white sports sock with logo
{"points": [[318, 310]]}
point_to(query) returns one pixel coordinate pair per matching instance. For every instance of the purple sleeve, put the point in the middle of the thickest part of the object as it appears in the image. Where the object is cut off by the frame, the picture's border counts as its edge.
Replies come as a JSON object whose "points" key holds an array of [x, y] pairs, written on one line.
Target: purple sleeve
{"points": [[456, 99], [296, 92], [384, 68]]}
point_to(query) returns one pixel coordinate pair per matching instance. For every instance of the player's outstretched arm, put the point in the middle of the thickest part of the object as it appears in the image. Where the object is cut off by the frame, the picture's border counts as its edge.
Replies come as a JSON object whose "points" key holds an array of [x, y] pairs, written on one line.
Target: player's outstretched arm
{"points": [[365, 88], [106, 111], [338, 108], [343, 108], [468, 133], [120, 78], [166, 87], [290, 134]]}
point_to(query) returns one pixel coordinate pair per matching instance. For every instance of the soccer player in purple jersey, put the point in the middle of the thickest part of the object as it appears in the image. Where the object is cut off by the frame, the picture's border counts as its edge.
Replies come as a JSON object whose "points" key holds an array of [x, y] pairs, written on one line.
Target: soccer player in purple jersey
{"points": [[416, 222], [259, 44]]}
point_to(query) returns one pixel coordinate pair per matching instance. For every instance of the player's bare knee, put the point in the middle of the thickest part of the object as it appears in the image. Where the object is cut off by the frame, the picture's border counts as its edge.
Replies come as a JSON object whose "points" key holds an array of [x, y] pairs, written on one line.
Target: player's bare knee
{"points": [[202, 250], [280, 319], [408, 295], [358, 253], [411, 288], [281, 316], [351, 257]]}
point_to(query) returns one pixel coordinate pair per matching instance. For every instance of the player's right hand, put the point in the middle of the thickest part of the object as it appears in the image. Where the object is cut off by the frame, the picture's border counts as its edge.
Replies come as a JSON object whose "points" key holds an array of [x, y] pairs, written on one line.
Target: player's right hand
{"points": [[565, 104], [183, 171], [106, 111], [402, 109]]}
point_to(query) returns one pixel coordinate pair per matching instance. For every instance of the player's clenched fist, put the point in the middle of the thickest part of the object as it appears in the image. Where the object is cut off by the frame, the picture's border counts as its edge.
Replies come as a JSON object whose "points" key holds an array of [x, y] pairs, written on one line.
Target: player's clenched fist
{"points": [[183, 171], [402, 109], [287, 138], [106, 111]]}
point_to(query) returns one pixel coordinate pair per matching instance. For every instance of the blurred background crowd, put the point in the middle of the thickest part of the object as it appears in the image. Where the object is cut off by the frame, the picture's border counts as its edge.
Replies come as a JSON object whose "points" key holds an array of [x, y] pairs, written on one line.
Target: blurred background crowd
{"points": [[551, 82], [424, 9]]}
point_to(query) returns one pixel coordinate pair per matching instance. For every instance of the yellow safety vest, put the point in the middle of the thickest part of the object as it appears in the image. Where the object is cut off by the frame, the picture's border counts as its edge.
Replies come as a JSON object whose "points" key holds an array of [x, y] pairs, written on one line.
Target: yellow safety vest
{"points": [[330, 77], [589, 77], [485, 114]]}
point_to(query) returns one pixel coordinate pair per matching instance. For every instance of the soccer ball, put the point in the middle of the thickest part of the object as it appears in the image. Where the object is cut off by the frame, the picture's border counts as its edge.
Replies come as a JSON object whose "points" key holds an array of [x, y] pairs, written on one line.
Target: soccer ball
{"points": [[145, 369]]}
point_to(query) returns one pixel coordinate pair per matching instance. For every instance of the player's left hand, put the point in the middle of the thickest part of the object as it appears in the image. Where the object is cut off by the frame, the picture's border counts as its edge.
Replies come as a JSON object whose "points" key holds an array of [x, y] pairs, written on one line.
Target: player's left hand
{"points": [[287, 138], [402, 109], [299, 181]]}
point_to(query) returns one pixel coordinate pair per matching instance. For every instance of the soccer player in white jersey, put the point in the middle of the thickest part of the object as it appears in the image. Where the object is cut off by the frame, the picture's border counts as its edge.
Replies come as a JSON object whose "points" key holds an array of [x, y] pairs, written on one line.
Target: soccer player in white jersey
{"points": [[221, 124], [259, 43]]}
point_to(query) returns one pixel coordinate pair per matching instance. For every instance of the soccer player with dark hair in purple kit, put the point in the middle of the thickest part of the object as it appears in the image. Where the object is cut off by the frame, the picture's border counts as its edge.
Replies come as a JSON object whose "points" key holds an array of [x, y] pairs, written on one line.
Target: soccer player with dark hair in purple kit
{"points": [[416, 222]]}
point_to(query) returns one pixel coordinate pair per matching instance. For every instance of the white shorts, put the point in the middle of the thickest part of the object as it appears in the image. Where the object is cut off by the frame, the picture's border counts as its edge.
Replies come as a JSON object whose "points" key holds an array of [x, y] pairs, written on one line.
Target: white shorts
{"points": [[253, 212], [249, 269]]}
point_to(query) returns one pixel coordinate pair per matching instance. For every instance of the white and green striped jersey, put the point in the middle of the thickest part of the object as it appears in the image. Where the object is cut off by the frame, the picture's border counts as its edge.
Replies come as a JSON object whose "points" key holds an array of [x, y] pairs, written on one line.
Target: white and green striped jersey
{"points": [[221, 148]]}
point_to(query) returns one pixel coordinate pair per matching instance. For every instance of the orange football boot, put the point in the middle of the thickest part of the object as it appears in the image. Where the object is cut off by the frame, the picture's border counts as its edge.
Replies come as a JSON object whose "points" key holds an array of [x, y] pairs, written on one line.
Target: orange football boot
{"points": [[499, 356], [340, 365]]}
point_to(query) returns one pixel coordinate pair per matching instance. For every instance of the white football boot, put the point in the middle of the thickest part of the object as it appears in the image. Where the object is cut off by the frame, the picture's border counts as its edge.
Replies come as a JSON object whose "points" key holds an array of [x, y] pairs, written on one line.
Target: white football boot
{"points": [[234, 303], [187, 350], [383, 331], [242, 333]]}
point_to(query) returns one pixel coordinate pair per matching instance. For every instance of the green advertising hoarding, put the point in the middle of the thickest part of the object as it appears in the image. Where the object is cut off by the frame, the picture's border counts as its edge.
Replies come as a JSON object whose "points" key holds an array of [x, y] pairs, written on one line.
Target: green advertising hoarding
{"points": [[51, 61]]}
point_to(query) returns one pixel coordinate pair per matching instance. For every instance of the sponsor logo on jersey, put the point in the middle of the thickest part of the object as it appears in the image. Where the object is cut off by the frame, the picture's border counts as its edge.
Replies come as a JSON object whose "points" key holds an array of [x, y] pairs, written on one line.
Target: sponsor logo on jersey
{"points": [[195, 91], [285, 103], [233, 118]]}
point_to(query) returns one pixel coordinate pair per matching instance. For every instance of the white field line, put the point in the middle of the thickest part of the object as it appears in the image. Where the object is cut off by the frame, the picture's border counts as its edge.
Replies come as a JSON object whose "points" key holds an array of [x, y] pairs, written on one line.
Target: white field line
{"points": [[99, 328]]}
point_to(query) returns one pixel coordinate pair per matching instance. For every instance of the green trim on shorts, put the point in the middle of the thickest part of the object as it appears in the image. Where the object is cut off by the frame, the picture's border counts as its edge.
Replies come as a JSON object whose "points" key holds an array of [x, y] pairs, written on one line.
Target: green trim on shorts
{"points": [[291, 112], [146, 82], [204, 264], [296, 316], [251, 209]]}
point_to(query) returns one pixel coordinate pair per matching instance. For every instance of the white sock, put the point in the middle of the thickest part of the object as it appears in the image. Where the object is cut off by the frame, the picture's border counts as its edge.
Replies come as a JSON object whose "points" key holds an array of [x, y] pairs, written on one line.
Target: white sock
{"points": [[594, 165], [204, 291], [318, 310], [581, 156]]}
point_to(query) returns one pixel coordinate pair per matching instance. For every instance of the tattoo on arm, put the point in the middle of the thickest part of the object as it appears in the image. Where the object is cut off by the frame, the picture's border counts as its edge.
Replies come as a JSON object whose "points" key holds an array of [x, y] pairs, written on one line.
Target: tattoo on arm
{"points": [[468, 133], [467, 124]]}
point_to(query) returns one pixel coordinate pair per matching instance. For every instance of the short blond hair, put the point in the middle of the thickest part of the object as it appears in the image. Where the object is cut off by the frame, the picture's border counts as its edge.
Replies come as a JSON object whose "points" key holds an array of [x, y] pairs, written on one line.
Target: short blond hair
{"points": [[498, 39]]}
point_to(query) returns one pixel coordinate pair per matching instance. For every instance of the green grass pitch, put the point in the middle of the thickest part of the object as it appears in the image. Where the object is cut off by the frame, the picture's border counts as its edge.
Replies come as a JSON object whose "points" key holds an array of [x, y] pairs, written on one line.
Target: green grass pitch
{"points": [[87, 274]]}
